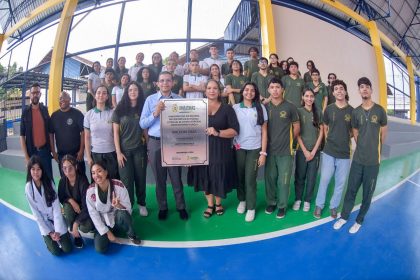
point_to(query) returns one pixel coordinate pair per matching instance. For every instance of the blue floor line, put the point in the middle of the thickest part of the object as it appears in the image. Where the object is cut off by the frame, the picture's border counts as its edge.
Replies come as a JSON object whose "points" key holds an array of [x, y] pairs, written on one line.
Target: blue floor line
{"points": [[386, 247]]}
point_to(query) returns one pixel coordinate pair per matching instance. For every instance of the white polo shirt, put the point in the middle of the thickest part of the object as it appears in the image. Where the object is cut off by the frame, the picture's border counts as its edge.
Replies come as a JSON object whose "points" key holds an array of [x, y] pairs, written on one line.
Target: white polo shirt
{"points": [[100, 125], [249, 137], [194, 80], [209, 61], [118, 91]]}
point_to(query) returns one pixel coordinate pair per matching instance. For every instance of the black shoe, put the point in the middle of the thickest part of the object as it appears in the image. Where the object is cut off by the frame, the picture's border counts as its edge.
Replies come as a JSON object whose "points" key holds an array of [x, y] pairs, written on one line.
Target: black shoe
{"points": [[163, 214], [270, 209], [183, 214], [134, 239], [78, 242], [281, 213]]}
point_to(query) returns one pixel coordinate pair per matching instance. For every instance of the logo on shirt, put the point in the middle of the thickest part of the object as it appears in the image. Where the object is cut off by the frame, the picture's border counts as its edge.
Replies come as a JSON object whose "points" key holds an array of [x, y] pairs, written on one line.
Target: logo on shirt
{"points": [[69, 121], [241, 83], [374, 119], [347, 117], [93, 197], [283, 114], [174, 108]]}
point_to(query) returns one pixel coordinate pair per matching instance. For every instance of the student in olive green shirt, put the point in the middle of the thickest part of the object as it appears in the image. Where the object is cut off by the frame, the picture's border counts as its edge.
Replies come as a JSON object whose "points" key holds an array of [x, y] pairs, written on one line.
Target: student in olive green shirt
{"points": [[230, 56], [321, 93], [145, 80], [336, 154], [234, 82], [261, 79], [283, 126], [274, 67], [130, 145], [307, 77], [251, 66], [307, 153], [369, 122], [293, 85]]}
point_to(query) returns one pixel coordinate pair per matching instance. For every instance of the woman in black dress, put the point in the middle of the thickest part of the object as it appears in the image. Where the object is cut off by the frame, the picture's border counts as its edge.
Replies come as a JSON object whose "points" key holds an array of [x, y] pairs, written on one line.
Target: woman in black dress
{"points": [[219, 177]]}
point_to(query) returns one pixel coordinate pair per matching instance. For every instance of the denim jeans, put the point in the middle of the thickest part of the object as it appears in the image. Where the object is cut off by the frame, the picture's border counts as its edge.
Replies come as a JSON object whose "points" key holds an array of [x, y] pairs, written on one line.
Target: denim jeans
{"points": [[332, 166]]}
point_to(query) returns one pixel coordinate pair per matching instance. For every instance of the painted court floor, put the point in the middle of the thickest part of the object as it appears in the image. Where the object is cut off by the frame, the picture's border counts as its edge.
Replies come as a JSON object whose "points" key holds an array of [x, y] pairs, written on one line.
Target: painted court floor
{"points": [[386, 247]]}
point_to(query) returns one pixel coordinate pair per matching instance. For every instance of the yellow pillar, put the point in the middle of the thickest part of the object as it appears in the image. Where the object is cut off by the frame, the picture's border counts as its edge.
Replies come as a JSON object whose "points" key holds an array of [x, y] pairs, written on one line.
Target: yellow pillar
{"points": [[410, 70], [377, 47], [1, 40], [57, 59], [268, 36]]}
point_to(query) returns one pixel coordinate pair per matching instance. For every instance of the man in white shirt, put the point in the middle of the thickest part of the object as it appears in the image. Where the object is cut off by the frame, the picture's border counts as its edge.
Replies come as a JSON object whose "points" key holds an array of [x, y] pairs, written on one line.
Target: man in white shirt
{"points": [[194, 83], [213, 59], [136, 67]]}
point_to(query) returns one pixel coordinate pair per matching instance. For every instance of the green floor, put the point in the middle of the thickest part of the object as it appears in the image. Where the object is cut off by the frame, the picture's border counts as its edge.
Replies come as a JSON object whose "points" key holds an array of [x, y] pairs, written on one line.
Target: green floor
{"points": [[230, 224]]}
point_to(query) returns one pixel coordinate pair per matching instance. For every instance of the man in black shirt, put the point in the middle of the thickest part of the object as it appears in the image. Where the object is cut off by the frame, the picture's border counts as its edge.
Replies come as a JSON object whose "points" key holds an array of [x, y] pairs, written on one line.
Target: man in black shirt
{"points": [[67, 133]]}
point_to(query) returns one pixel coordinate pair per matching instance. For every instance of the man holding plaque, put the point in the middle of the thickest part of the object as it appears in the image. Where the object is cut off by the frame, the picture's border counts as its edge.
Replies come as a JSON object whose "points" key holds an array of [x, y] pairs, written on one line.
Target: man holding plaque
{"points": [[150, 119]]}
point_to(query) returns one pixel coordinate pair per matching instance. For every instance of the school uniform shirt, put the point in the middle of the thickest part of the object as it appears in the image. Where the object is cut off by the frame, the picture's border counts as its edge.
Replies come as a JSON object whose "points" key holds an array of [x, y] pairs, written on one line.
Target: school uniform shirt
{"points": [[179, 70], [194, 79], [118, 91], [96, 80], [276, 71], [338, 141], [308, 132], [209, 61], [134, 70], [320, 96], [293, 89], [262, 83], [280, 128], [49, 219], [100, 126], [130, 130], [251, 66], [369, 123], [249, 137], [103, 213]]}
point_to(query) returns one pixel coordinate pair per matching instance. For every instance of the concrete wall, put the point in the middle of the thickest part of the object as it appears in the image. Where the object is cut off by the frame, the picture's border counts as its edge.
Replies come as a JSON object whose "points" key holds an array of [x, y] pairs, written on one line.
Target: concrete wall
{"points": [[305, 37]]}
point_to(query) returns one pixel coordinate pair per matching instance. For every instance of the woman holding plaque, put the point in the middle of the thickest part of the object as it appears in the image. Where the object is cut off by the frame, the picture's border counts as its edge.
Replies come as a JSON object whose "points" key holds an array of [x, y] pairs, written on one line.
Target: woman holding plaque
{"points": [[219, 177], [250, 146]]}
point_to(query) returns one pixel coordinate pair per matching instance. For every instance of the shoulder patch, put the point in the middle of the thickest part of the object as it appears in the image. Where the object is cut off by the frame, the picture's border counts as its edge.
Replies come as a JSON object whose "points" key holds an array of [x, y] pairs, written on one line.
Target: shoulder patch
{"points": [[118, 183], [93, 197]]}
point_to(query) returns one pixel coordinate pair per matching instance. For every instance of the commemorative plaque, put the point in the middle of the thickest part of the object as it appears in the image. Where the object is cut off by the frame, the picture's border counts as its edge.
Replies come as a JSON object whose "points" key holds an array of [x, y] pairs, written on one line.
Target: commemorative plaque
{"points": [[182, 129]]}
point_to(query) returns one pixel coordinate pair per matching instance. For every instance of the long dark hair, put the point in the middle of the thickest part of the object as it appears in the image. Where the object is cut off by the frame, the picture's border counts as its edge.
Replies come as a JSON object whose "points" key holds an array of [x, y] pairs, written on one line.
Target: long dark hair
{"points": [[210, 75], [241, 68], [314, 110], [256, 100], [140, 75], [278, 63], [50, 194], [73, 161], [124, 106]]}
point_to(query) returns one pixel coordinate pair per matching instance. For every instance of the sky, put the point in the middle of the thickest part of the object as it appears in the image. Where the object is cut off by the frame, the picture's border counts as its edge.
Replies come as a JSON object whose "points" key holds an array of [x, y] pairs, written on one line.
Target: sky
{"points": [[143, 20]]}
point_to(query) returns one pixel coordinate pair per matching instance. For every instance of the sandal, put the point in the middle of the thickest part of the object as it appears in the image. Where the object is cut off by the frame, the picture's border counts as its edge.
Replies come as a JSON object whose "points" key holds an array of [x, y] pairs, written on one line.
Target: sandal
{"points": [[207, 214], [219, 211]]}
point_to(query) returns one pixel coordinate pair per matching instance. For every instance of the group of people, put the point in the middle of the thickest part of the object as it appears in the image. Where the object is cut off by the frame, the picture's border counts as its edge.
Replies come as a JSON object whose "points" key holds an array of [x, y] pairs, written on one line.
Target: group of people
{"points": [[264, 113]]}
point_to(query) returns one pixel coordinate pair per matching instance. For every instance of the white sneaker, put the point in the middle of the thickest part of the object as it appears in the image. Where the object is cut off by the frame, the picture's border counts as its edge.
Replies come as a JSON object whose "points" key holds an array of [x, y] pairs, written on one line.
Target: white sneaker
{"points": [[241, 207], [296, 205], [355, 228], [143, 211], [250, 215], [306, 206], [339, 224]]}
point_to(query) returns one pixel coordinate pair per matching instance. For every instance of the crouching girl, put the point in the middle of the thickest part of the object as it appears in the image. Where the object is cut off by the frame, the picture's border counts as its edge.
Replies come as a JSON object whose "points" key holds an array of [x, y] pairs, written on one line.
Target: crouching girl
{"points": [[42, 198], [109, 208]]}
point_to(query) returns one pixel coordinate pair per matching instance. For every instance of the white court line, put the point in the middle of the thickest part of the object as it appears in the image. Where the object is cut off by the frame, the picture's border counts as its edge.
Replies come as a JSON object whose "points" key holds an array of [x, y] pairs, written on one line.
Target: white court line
{"points": [[235, 240], [414, 183]]}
